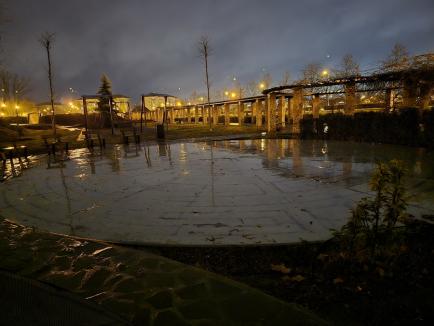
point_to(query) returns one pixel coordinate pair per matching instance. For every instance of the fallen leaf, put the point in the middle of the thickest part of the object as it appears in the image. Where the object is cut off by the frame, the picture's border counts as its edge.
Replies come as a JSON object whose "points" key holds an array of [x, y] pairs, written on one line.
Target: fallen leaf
{"points": [[338, 280], [96, 252], [322, 257], [280, 268], [298, 278]]}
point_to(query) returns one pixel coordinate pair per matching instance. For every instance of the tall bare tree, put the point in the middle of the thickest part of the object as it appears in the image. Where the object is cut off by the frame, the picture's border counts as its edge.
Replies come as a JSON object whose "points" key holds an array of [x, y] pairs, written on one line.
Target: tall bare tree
{"points": [[252, 88], [348, 67], [286, 78], [398, 59], [205, 51], [47, 40], [13, 85], [267, 80], [311, 73]]}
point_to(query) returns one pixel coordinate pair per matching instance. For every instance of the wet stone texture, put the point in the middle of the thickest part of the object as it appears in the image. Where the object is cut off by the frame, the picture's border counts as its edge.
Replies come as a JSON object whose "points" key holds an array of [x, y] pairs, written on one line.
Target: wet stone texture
{"points": [[143, 288], [222, 192]]}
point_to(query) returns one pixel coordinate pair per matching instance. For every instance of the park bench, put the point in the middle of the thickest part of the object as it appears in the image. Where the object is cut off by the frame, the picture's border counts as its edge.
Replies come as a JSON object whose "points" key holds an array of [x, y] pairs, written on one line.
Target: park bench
{"points": [[130, 132], [52, 143], [93, 137], [8, 153]]}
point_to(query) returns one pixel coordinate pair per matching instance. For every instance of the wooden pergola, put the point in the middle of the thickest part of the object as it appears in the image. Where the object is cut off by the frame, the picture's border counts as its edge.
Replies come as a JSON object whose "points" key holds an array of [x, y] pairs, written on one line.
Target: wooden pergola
{"points": [[161, 95]]}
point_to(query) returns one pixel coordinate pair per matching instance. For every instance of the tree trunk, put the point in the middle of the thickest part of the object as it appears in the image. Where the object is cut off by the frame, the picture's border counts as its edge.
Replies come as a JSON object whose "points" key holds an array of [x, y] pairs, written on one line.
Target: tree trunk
{"points": [[53, 121]]}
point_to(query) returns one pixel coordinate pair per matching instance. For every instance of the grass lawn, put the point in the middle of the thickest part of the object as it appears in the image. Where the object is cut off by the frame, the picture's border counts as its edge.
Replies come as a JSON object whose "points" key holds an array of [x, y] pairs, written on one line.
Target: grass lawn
{"points": [[33, 138]]}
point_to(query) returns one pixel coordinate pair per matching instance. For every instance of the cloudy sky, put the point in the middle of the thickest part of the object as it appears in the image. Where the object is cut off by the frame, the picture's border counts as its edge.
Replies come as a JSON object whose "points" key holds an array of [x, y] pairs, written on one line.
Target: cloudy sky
{"points": [[146, 46]]}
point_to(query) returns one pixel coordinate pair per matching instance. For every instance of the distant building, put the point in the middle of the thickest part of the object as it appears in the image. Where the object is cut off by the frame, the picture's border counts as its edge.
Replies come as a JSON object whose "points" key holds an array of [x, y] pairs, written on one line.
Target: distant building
{"points": [[44, 108]]}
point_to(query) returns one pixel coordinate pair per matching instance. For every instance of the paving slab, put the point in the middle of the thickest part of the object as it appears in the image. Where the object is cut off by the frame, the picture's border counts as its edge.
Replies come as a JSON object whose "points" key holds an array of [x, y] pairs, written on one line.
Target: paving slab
{"points": [[187, 193], [137, 286]]}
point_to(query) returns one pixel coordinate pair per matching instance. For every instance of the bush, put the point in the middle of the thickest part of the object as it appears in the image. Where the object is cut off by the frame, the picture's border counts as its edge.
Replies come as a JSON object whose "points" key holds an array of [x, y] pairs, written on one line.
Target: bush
{"points": [[373, 219], [406, 127], [75, 119], [6, 121]]}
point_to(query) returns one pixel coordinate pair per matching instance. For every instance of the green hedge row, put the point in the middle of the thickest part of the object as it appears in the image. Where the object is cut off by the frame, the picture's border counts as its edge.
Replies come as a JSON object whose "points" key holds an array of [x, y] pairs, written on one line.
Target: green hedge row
{"points": [[406, 127]]}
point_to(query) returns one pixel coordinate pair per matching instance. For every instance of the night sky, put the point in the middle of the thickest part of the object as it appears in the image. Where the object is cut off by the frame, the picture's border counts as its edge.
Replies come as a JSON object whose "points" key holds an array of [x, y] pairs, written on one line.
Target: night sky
{"points": [[146, 46]]}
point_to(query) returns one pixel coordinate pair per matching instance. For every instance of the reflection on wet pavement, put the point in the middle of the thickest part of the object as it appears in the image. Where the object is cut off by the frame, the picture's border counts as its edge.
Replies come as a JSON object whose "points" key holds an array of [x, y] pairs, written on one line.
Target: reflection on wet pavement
{"points": [[223, 192]]}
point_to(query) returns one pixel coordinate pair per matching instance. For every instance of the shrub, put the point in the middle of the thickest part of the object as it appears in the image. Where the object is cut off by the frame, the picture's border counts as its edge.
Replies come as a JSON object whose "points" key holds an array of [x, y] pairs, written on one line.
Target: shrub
{"points": [[373, 218], [406, 127]]}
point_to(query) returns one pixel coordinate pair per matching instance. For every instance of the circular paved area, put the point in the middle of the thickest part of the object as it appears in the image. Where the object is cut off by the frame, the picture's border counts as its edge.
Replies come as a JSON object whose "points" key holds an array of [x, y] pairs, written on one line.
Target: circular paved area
{"points": [[240, 192]]}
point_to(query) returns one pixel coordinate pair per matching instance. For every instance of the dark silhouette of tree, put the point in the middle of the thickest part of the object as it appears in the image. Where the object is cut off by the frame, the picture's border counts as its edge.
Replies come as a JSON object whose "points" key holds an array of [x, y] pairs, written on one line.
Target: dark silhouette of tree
{"points": [[398, 59], [105, 90], [47, 40], [204, 52], [104, 101]]}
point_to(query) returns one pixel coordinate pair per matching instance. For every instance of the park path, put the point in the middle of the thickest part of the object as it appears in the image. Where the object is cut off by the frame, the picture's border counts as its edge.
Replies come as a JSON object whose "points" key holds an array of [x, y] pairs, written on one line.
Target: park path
{"points": [[138, 286]]}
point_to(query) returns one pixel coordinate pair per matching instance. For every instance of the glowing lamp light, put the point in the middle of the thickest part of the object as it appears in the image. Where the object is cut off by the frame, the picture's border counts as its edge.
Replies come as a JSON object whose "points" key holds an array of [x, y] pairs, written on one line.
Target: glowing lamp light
{"points": [[3, 105], [325, 72], [226, 93], [261, 85], [233, 95]]}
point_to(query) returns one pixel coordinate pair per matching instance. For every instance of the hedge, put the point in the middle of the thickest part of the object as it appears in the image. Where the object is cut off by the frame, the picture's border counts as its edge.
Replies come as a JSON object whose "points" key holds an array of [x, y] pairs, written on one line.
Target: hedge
{"points": [[406, 127]]}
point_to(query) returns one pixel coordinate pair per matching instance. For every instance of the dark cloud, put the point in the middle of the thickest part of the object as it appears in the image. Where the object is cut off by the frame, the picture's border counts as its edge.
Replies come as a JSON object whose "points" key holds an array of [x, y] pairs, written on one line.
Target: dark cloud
{"points": [[151, 45]]}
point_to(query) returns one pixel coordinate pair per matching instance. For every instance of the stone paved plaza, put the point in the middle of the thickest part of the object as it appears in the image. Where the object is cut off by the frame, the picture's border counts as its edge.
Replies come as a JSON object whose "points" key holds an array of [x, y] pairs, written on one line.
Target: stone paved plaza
{"points": [[224, 192], [140, 287]]}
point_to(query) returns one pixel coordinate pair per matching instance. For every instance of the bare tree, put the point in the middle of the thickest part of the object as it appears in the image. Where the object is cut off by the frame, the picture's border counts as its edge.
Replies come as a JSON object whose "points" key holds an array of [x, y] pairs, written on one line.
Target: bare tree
{"points": [[348, 67], [13, 85], [204, 52], [252, 88], [267, 80], [47, 40], [286, 78], [311, 73], [398, 59]]}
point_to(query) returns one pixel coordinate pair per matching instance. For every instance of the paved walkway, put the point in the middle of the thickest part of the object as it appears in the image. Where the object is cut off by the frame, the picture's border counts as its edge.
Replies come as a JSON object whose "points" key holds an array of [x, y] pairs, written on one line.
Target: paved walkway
{"points": [[138, 286], [242, 192]]}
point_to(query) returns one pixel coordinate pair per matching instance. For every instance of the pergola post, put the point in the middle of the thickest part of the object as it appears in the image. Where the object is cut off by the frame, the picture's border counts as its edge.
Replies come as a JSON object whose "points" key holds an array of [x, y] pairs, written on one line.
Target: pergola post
{"points": [[226, 113], [281, 111], [111, 114], [142, 110], [85, 113], [297, 109], [271, 113], [215, 114], [258, 105], [350, 98], [240, 113], [196, 115], [315, 106]]}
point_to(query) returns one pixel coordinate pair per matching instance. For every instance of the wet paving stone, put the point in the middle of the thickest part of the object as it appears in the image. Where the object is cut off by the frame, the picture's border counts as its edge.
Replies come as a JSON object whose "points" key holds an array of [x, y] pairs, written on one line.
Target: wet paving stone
{"points": [[182, 295], [258, 191]]}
